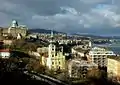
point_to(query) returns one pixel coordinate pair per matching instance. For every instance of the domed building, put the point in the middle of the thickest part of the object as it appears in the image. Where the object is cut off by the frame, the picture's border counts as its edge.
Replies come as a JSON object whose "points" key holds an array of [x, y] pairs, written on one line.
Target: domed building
{"points": [[15, 29]]}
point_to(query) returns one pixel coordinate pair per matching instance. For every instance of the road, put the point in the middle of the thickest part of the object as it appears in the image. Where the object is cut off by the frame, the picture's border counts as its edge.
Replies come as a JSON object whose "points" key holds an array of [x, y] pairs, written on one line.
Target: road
{"points": [[45, 78]]}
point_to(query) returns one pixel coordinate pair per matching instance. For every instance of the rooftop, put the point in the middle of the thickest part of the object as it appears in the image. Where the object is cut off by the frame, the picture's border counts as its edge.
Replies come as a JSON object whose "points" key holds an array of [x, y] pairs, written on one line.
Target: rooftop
{"points": [[4, 50], [82, 50], [98, 49], [79, 63]]}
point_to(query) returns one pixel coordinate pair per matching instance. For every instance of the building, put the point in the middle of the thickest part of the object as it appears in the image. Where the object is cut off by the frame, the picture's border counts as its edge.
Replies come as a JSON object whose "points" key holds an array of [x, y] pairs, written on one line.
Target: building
{"points": [[55, 60], [113, 68], [8, 42], [14, 30], [42, 50], [35, 54], [78, 68], [43, 59], [80, 50], [5, 53], [99, 56]]}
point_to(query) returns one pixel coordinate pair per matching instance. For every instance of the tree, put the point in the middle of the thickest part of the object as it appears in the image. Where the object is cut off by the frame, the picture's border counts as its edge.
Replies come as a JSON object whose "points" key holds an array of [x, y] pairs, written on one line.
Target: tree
{"points": [[30, 46], [94, 73], [34, 65]]}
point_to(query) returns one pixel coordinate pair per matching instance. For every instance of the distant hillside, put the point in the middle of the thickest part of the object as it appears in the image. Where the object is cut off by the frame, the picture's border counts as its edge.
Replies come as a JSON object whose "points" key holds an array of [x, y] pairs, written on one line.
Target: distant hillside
{"points": [[92, 36], [42, 31]]}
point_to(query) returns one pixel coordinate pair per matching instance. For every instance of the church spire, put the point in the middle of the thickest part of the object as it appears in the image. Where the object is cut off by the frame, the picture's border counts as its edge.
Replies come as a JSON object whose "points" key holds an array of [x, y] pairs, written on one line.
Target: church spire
{"points": [[51, 36]]}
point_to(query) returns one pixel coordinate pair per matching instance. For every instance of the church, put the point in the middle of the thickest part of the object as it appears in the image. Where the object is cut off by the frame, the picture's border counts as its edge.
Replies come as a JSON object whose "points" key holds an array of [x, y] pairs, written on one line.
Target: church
{"points": [[55, 59]]}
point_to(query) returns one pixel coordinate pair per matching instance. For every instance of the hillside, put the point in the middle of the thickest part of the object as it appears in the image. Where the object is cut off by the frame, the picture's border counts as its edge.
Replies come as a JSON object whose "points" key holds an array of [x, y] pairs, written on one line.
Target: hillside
{"points": [[37, 30]]}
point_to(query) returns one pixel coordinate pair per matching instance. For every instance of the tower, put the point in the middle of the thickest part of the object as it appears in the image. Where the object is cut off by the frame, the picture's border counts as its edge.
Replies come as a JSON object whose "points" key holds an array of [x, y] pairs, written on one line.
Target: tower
{"points": [[51, 52], [90, 44], [56, 59]]}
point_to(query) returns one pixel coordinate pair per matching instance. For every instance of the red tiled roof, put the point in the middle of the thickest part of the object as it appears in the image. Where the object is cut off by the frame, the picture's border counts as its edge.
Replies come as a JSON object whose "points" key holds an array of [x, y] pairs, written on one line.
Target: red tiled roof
{"points": [[4, 50]]}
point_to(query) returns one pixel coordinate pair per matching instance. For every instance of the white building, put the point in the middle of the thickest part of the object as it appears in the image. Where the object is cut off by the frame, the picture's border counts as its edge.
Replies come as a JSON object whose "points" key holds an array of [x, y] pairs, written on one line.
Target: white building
{"points": [[99, 56], [78, 68], [5, 53], [82, 49]]}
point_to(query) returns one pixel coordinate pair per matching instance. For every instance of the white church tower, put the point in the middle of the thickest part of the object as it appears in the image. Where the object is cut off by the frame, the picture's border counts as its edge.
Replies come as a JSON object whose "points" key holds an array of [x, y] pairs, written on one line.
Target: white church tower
{"points": [[51, 52], [56, 59]]}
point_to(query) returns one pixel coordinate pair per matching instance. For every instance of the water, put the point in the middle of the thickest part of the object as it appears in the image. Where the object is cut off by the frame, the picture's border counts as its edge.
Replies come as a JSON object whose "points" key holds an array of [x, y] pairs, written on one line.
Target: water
{"points": [[115, 47]]}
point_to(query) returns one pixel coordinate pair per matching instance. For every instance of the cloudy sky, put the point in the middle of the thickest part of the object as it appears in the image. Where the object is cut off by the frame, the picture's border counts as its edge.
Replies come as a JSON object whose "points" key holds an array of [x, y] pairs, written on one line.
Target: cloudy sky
{"points": [[101, 17]]}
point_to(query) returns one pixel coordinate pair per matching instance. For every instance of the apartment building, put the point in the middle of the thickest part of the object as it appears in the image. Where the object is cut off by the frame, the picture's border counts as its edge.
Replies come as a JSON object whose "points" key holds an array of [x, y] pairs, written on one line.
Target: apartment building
{"points": [[99, 56], [78, 68]]}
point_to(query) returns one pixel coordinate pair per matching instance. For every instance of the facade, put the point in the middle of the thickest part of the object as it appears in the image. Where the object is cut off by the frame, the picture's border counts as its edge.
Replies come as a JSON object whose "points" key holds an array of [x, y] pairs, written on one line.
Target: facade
{"points": [[113, 68], [78, 68], [56, 59], [99, 56]]}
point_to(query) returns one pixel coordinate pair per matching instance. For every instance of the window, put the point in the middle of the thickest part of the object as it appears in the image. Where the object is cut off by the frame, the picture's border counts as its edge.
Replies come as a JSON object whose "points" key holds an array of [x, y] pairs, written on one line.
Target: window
{"points": [[52, 67], [52, 62], [59, 67], [53, 49], [56, 54]]}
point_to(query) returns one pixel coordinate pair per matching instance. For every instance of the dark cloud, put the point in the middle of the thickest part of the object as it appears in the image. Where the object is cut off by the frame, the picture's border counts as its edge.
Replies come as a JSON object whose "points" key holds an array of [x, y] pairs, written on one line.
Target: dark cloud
{"points": [[62, 15]]}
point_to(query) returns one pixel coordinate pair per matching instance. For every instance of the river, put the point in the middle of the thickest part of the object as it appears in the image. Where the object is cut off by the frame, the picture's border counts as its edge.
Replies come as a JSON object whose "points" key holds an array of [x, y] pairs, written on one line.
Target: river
{"points": [[115, 47]]}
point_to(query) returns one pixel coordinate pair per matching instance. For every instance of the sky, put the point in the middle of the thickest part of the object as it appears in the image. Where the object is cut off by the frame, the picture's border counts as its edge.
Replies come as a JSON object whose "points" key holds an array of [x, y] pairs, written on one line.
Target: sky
{"points": [[99, 17]]}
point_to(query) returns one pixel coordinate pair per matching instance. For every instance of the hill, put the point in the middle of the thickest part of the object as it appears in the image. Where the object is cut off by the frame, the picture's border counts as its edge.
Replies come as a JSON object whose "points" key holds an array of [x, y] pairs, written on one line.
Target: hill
{"points": [[37, 30]]}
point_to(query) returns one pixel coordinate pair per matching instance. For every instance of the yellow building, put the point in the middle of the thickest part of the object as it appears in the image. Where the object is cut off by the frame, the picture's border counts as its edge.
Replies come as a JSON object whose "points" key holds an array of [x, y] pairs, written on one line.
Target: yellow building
{"points": [[58, 62], [55, 60], [113, 67]]}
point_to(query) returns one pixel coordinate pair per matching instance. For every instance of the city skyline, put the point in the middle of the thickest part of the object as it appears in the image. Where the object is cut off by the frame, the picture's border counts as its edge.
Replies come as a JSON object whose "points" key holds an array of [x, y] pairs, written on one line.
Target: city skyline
{"points": [[83, 16]]}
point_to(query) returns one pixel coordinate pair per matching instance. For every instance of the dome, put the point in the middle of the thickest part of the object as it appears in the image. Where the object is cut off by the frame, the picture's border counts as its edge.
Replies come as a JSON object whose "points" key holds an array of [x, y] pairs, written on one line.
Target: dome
{"points": [[14, 23]]}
